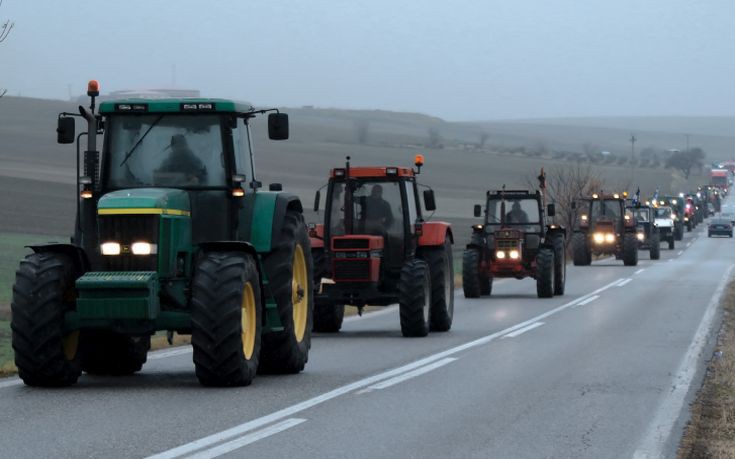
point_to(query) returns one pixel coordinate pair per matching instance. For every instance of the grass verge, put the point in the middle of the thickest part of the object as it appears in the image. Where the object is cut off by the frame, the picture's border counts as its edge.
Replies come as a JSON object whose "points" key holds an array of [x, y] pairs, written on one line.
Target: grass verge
{"points": [[711, 430]]}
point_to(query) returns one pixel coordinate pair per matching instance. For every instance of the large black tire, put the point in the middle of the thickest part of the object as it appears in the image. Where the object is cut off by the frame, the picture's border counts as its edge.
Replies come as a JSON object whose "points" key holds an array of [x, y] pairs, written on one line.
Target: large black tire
{"points": [[226, 318], [414, 298], [545, 273], [486, 285], [581, 253], [328, 318], [441, 269], [42, 293], [560, 264], [654, 244], [689, 226], [672, 244], [678, 232], [471, 273], [110, 353], [287, 351], [630, 249]]}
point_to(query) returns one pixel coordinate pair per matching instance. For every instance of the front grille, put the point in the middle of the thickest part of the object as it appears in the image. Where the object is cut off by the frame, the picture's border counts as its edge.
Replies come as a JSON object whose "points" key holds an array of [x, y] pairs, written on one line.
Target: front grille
{"points": [[351, 243], [126, 229], [504, 244], [347, 270]]}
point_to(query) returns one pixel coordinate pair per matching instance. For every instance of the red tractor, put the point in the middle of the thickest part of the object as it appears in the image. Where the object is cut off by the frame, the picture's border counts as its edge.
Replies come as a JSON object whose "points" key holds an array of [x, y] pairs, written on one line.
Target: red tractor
{"points": [[516, 240], [375, 248]]}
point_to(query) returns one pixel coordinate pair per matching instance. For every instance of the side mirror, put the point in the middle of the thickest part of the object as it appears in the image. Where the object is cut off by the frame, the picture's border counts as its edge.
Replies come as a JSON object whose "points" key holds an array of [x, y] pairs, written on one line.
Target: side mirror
{"points": [[551, 210], [429, 201], [478, 210], [317, 198], [574, 204], [278, 126], [65, 130]]}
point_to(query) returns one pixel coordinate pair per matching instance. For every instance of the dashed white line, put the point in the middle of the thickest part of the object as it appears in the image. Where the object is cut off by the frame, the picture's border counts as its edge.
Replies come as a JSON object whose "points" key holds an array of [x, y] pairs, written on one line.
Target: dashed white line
{"points": [[624, 282], [640, 271], [247, 439], [588, 300], [411, 374], [680, 252], [170, 353], [523, 330]]}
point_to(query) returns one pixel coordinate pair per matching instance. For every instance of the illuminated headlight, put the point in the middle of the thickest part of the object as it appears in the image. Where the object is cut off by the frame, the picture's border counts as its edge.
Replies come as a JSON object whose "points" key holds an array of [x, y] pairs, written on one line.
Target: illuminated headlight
{"points": [[640, 236], [143, 248], [598, 238], [110, 248], [500, 254], [686, 219], [673, 201], [514, 254], [584, 218], [609, 237], [673, 216]]}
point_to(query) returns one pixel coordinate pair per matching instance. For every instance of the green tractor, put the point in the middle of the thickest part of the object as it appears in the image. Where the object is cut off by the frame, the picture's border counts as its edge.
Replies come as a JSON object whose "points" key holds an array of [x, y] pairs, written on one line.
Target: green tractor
{"points": [[172, 233]]}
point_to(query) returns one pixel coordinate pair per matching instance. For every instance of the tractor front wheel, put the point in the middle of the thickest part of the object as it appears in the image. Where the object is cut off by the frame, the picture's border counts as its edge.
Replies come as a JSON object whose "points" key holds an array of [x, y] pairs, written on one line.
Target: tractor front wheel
{"points": [[630, 249], [289, 269], [560, 264], [328, 318], [545, 273], [226, 319], [110, 353], [44, 290], [414, 298], [672, 244], [474, 282], [655, 246], [581, 254], [441, 269]]}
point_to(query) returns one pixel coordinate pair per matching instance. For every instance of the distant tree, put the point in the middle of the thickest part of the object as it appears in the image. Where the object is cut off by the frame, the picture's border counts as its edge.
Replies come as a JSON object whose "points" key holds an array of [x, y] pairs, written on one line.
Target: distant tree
{"points": [[362, 130], [435, 138], [686, 161], [483, 139], [5, 28]]}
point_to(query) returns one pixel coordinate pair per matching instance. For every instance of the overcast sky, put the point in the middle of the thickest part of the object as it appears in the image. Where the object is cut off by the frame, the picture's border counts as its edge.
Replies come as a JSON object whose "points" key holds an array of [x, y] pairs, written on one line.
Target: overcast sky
{"points": [[459, 60]]}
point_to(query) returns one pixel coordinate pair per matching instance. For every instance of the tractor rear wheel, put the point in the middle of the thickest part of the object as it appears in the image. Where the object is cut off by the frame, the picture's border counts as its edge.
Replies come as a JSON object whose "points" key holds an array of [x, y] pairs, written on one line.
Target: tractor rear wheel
{"points": [[560, 264], [110, 353], [689, 226], [581, 254], [678, 232], [471, 273], [226, 319], [414, 298], [441, 269], [43, 292], [655, 246], [289, 269], [630, 249], [328, 318], [672, 244], [545, 273]]}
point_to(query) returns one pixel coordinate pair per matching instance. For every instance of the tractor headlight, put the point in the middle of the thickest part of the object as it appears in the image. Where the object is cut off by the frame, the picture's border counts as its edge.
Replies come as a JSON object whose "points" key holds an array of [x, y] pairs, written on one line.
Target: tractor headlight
{"points": [[110, 248], [609, 237], [599, 238], [500, 254], [143, 248], [640, 236], [514, 254], [584, 218]]}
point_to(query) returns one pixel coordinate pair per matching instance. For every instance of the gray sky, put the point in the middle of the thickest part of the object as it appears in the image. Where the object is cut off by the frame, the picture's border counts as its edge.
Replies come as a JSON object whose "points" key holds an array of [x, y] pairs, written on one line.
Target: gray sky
{"points": [[460, 60]]}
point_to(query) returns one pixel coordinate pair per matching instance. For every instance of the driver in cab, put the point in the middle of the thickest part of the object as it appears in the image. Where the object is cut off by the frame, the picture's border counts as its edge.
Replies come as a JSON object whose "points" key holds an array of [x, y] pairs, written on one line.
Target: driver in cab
{"points": [[378, 214], [516, 214], [182, 161]]}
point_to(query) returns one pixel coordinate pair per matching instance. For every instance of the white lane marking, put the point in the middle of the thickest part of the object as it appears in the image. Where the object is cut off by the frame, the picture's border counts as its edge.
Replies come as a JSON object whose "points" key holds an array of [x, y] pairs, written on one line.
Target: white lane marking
{"points": [[170, 353], [588, 300], [672, 403], [624, 282], [10, 382], [319, 399], [523, 330], [640, 271], [411, 374], [245, 440], [689, 243], [680, 252]]}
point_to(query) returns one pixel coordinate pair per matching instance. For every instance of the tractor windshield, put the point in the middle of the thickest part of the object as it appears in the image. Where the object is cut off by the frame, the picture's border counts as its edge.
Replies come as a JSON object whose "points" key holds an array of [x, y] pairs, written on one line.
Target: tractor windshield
{"points": [[640, 214], [377, 208], [518, 212], [608, 209], [663, 212], [165, 150]]}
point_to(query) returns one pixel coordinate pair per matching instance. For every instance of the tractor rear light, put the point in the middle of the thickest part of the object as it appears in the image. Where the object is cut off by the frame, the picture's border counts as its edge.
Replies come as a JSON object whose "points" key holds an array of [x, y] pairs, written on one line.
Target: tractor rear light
{"points": [[514, 255], [143, 248], [500, 254], [110, 248]]}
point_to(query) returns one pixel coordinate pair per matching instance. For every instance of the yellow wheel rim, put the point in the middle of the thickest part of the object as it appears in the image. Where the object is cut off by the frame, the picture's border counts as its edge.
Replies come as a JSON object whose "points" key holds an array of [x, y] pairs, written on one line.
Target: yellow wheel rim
{"points": [[299, 293], [70, 343], [248, 320]]}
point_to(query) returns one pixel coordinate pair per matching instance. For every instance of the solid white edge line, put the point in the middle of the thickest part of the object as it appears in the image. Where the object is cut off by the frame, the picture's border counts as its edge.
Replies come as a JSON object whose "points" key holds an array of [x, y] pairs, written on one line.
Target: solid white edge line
{"points": [[523, 330], [588, 300], [245, 440], [624, 282], [411, 374], [319, 399], [668, 412]]}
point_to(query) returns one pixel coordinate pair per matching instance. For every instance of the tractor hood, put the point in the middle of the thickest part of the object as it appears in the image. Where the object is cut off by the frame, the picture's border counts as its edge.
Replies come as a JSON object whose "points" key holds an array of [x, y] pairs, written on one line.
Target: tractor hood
{"points": [[162, 201]]}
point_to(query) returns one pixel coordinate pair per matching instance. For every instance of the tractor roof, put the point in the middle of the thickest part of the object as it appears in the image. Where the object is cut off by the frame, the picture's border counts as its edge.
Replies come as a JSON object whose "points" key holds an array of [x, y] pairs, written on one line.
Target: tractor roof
{"points": [[607, 197], [513, 193], [180, 105], [373, 172]]}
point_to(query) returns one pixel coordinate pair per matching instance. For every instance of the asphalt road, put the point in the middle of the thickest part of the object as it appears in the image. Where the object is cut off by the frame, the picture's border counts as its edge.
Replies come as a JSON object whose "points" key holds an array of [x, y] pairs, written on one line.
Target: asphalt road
{"points": [[607, 370]]}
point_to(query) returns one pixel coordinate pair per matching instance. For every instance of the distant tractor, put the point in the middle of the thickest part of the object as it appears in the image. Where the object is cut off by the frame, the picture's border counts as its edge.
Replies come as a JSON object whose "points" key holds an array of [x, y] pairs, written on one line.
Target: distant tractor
{"points": [[375, 248], [678, 211], [647, 233], [605, 229], [664, 221], [517, 240], [172, 233]]}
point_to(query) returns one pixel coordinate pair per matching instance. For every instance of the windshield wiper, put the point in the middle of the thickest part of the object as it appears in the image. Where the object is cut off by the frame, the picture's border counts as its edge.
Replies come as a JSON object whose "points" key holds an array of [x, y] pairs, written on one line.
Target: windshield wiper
{"points": [[130, 153]]}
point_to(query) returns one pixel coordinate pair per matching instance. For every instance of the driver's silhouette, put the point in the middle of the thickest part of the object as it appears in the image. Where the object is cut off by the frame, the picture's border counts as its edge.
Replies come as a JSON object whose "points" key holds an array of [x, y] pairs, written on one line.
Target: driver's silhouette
{"points": [[516, 214], [182, 160]]}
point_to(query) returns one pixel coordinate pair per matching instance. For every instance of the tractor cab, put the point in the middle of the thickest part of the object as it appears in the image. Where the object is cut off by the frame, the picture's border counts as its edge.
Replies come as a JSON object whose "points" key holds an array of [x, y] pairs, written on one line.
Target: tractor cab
{"points": [[605, 227]]}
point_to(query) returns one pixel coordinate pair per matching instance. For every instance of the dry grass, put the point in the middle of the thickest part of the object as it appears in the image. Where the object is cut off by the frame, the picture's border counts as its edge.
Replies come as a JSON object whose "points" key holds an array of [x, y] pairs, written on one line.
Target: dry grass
{"points": [[711, 430]]}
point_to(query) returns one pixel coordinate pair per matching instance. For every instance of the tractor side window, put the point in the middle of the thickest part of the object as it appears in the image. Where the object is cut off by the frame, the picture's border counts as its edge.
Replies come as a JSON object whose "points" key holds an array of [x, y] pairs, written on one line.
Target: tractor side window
{"points": [[240, 143], [337, 213], [411, 199]]}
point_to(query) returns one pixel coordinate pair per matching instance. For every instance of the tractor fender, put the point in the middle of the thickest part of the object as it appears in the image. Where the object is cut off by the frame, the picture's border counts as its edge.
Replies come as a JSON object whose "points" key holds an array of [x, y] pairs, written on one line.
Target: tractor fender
{"points": [[316, 236], [269, 210], [76, 253], [435, 233], [556, 229]]}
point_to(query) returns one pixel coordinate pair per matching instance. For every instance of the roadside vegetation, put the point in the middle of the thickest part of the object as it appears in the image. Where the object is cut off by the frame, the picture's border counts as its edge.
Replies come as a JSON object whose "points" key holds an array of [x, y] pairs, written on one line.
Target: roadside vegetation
{"points": [[711, 430]]}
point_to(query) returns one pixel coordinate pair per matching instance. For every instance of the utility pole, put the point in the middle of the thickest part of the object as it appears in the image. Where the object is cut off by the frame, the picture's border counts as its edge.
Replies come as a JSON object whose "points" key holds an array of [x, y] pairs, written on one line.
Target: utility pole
{"points": [[687, 136]]}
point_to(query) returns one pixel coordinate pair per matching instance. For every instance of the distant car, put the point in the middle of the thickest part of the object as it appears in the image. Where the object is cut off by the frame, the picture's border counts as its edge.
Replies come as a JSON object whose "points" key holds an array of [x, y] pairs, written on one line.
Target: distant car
{"points": [[728, 216], [719, 227]]}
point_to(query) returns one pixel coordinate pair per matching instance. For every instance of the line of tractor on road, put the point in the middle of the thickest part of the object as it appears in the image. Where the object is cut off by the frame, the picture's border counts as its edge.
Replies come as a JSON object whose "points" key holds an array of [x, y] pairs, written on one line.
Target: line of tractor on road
{"points": [[174, 233]]}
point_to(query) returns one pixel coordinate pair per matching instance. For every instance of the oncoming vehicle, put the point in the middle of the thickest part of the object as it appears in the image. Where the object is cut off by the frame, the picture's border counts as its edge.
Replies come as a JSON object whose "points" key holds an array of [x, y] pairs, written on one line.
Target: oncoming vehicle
{"points": [[375, 248], [168, 238], [665, 223], [719, 227], [605, 229], [647, 232], [515, 240]]}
